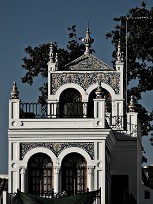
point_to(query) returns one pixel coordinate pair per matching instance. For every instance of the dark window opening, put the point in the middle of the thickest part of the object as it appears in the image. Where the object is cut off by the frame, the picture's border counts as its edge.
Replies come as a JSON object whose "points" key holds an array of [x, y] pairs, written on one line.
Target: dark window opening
{"points": [[74, 174], [147, 194], [40, 174], [119, 189], [70, 104]]}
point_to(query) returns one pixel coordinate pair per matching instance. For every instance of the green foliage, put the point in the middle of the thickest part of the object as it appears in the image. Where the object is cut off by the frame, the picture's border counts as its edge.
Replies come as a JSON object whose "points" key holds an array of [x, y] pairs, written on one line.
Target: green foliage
{"points": [[139, 25], [139, 61], [37, 58]]}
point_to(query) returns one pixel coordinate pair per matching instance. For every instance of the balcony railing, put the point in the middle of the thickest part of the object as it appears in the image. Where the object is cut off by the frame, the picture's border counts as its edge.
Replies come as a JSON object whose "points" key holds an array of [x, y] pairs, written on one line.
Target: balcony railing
{"points": [[68, 110], [53, 110], [33, 110], [116, 122]]}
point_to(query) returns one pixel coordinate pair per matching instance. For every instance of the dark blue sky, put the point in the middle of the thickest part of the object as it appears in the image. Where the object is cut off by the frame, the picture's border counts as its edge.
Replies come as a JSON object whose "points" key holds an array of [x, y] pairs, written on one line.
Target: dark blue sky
{"points": [[34, 22]]}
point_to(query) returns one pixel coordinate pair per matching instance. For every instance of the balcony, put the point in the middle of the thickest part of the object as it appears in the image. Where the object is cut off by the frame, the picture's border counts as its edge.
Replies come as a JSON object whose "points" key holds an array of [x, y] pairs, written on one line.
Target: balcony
{"points": [[53, 110], [74, 115], [66, 110]]}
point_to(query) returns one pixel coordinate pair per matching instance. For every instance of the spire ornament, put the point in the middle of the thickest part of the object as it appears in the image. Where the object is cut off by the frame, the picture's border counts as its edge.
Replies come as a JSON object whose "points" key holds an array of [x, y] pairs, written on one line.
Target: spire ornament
{"points": [[15, 92], [99, 93], [56, 62], [87, 41], [132, 105], [51, 53], [119, 53]]}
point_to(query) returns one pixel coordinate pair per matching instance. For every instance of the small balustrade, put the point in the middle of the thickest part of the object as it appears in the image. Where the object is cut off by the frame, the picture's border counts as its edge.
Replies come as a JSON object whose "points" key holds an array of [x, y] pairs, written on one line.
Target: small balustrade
{"points": [[116, 122], [70, 110], [53, 110]]}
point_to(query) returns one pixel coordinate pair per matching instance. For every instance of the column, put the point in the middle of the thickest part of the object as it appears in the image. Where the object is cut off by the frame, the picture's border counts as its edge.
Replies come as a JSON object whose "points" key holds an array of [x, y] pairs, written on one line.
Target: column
{"points": [[5, 198], [52, 109], [108, 118], [56, 179], [23, 175], [85, 109], [90, 178]]}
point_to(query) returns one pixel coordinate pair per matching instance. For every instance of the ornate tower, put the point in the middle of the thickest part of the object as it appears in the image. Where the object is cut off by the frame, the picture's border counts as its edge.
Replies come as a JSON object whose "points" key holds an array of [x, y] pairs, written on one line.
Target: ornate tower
{"points": [[79, 138]]}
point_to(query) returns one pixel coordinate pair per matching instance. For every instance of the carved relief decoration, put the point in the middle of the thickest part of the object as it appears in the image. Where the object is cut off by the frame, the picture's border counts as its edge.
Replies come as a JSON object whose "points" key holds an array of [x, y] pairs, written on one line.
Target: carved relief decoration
{"points": [[87, 62], [86, 79], [56, 148]]}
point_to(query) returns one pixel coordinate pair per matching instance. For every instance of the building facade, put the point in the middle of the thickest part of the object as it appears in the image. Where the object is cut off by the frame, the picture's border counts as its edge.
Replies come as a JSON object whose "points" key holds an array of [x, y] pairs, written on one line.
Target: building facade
{"points": [[82, 138]]}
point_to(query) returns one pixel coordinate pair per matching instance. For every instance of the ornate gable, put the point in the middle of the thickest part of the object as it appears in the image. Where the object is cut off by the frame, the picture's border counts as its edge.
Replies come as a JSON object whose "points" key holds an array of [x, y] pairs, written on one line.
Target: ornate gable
{"points": [[88, 63], [85, 71]]}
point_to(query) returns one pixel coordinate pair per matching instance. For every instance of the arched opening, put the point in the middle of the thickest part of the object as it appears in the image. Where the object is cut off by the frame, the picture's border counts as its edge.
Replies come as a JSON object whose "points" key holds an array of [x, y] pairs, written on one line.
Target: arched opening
{"points": [[40, 174], [108, 104], [74, 174], [70, 104]]}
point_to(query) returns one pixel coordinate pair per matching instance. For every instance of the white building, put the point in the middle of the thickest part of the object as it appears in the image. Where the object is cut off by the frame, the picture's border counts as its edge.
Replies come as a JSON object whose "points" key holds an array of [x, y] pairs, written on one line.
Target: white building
{"points": [[83, 137]]}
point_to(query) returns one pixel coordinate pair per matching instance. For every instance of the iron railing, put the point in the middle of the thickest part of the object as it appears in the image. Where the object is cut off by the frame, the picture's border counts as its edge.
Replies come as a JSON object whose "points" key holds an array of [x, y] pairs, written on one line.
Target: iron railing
{"points": [[70, 110], [116, 122], [33, 110], [52, 110], [65, 110]]}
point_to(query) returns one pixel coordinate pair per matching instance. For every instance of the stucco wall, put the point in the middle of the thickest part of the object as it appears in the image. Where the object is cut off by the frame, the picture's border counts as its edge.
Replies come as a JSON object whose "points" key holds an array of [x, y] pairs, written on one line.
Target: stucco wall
{"points": [[124, 162]]}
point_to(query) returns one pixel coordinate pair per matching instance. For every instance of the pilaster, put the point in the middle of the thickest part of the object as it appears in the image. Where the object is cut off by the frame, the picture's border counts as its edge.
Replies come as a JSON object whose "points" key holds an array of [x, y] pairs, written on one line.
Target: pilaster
{"points": [[14, 109], [99, 111], [23, 179], [90, 178], [56, 179]]}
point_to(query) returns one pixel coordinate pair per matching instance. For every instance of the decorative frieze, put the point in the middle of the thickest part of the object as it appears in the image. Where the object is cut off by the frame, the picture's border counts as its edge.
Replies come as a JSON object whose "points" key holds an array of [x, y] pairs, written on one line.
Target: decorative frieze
{"points": [[86, 79], [56, 148]]}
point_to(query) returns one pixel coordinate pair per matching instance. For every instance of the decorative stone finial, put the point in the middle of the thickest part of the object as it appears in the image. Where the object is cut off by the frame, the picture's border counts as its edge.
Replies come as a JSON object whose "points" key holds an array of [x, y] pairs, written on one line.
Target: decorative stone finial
{"points": [[88, 41], [51, 53], [132, 106], [119, 53], [15, 92], [56, 62], [99, 92]]}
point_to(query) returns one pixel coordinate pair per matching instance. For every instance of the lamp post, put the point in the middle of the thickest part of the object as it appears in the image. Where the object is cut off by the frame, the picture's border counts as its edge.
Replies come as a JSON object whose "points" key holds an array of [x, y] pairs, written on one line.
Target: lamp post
{"points": [[126, 46]]}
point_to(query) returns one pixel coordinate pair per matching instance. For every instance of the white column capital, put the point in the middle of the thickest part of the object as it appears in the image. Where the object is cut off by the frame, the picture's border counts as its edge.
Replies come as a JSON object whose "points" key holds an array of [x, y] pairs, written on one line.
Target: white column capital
{"points": [[57, 169], [23, 170], [90, 170]]}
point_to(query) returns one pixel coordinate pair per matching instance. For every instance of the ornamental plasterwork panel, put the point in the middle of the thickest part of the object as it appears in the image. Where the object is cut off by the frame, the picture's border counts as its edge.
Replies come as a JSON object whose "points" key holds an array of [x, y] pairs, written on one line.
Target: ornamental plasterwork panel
{"points": [[87, 62], [86, 79], [56, 148]]}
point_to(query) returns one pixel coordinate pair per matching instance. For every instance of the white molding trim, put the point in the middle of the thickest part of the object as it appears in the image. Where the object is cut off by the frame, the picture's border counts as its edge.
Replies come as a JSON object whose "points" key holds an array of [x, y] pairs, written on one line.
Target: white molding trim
{"points": [[76, 150], [73, 86], [36, 150]]}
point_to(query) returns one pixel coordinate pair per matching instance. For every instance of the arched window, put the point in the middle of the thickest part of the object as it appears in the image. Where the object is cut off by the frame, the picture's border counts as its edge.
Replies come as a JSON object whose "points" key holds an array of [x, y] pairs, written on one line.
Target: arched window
{"points": [[70, 104], [108, 104], [40, 174], [74, 174]]}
